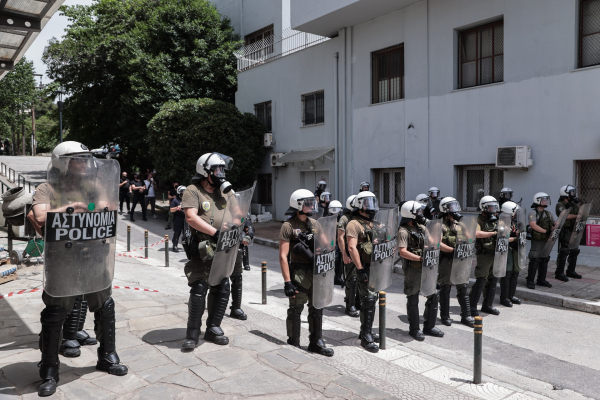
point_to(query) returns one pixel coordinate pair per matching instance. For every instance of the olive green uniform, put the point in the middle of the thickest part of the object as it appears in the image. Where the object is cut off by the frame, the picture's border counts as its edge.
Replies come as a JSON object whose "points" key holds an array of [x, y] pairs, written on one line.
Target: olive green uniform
{"points": [[563, 239], [537, 263], [485, 281], [508, 283], [352, 297]]}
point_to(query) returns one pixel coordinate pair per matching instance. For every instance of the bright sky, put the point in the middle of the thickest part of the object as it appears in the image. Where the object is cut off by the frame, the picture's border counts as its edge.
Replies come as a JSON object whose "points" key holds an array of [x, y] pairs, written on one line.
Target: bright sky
{"points": [[54, 28]]}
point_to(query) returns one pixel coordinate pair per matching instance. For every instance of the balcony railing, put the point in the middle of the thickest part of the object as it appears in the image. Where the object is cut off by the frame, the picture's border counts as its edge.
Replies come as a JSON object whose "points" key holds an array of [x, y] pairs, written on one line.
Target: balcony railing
{"points": [[272, 48]]}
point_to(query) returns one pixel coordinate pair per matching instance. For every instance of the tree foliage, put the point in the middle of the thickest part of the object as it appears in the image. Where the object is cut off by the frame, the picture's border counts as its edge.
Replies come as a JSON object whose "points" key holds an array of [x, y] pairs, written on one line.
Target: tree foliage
{"points": [[120, 61], [17, 91], [184, 130]]}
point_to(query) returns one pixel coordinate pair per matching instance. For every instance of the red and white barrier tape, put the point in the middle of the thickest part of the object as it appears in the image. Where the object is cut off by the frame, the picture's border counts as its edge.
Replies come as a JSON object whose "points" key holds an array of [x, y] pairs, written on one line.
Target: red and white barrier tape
{"points": [[11, 294], [152, 245], [129, 255]]}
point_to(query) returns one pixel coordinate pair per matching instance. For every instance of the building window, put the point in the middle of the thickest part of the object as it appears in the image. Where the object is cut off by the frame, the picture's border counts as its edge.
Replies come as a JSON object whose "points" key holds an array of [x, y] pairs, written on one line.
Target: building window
{"points": [[313, 108], [476, 181], [589, 33], [481, 55], [588, 182], [264, 189], [263, 113], [261, 34], [387, 67], [389, 186]]}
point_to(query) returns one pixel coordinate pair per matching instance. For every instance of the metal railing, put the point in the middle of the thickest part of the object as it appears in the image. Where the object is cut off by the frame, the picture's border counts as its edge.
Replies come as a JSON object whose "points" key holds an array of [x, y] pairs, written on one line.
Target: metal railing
{"points": [[3, 169], [11, 175], [272, 48]]}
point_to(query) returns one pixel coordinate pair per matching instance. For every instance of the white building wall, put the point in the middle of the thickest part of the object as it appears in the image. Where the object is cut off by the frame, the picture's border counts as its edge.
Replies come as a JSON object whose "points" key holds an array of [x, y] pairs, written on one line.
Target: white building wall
{"points": [[249, 16]]}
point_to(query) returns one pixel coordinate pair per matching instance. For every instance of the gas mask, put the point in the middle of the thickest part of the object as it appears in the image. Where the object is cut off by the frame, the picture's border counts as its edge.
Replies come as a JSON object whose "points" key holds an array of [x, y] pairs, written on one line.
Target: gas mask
{"points": [[456, 216], [420, 219], [217, 179], [573, 197]]}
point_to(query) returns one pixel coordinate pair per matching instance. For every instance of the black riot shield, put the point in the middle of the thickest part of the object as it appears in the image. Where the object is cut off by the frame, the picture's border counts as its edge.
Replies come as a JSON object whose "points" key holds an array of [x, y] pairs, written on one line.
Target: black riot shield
{"points": [[501, 254], [554, 235], [582, 216], [464, 250], [431, 257], [324, 264], [232, 229], [81, 225], [522, 237], [385, 231]]}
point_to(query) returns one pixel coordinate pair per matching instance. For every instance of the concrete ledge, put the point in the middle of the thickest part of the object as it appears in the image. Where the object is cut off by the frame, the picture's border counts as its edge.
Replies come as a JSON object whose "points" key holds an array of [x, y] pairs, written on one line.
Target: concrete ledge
{"points": [[266, 242]]}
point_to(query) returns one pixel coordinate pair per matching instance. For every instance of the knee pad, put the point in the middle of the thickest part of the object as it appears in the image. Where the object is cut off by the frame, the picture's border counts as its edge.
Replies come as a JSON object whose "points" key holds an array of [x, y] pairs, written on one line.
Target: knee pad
{"points": [[434, 298], [199, 287], [108, 306], [575, 252], [564, 251], [370, 301], [53, 315], [236, 280], [546, 260], [224, 286], [296, 310], [315, 311], [413, 299], [352, 281]]}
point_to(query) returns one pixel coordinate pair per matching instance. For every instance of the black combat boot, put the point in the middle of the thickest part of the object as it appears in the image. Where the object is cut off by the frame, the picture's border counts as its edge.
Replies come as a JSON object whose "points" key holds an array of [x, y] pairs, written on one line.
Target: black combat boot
{"points": [[104, 326], [196, 306], [542, 271], [412, 312], [445, 305], [572, 264], [236, 299], [513, 288], [350, 298], [316, 344], [83, 337], [366, 336], [561, 260], [475, 294], [534, 264], [52, 319], [504, 291], [462, 295], [487, 305], [246, 258], [218, 297], [70, 346], [430, 316], [293, 319]]}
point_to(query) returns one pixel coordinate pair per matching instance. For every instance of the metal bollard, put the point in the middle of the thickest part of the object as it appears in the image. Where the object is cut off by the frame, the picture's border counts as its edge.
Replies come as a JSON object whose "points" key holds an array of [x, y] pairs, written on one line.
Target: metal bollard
{"points": [[264, 281], [167, 251], [145, 244], [128, 237], [477, 359], [382, 320]]}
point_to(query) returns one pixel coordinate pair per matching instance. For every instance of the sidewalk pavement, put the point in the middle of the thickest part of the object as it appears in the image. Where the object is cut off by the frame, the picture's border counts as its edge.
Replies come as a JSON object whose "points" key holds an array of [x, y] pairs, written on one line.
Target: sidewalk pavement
{"points": [[578, 294], [256, 364]]}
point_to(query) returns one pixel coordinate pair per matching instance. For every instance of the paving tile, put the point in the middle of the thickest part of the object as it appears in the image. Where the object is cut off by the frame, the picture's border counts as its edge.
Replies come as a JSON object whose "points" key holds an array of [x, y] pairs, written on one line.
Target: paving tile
{"points": [[183, 359], [361, 389], [159, 391], [155, 374], [155, 322], [254, 342], [129, 305], [317, 368], [415, 364], [228, 359], [336, 390], [294, 356], [278, 362], [487, 390], [207, 373], [119, 384], [257, 382], [148, 362], [448, 376], [391, 354], [132, 354], [186, 379], [82, 389], [135, 313]]}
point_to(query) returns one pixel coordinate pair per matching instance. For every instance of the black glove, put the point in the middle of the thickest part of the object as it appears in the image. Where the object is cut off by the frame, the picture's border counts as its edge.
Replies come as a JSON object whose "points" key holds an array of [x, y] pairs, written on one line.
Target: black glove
{"points": [[289, 289], [362, 275], [215, 237]]}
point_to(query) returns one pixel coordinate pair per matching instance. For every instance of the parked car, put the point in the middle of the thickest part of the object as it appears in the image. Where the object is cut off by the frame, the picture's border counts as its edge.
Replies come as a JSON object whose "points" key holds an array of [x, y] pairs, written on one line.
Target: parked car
{"points": [[107, 151]]}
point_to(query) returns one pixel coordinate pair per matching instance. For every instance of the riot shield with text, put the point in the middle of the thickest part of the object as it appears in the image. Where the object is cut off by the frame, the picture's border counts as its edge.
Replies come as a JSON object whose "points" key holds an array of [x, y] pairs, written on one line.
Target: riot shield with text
{"points": [[502, 237], [324, 264], [81, 225], [464, 250], [232, 229], [580, 221], [431, 257], [385, 231], [522, 237], [554, 234]]}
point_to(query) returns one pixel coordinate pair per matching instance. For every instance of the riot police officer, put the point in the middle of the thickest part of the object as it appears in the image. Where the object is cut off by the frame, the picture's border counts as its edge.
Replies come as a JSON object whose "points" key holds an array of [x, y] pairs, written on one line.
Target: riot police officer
{"points": [[568, 200], [485, 281], [452, 228], [352, 299], [434, 195], [429, 211], [541, 222], [321, 187], [204, 203], [335, 210], [506, 194], [359, 234], [364, 187], [508, 283], [248, 237], [411, 242], [297, 239], [74, 185], [324, 200]]}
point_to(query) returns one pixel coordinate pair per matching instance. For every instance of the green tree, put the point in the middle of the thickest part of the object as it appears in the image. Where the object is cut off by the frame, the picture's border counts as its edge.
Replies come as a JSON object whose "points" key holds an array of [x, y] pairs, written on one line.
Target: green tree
{"points": [[120, 61], [184, 130]]}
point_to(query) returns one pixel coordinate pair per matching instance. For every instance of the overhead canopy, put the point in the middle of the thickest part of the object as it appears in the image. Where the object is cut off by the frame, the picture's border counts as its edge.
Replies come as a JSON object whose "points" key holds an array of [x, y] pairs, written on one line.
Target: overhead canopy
{"points": [[21, 21], [307, 155]]}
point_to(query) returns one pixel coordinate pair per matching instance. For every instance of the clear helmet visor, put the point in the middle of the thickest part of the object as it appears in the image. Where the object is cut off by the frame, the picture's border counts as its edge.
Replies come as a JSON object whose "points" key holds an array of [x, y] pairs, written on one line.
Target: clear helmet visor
{"points": [[572, 192], [218, 171], [452, 206], [335, 210], [370, 204], [434, 194], [491, 207], [309, 205], [544, 201], [365, 188], [426, 202], [507, 195], [418, 209]]}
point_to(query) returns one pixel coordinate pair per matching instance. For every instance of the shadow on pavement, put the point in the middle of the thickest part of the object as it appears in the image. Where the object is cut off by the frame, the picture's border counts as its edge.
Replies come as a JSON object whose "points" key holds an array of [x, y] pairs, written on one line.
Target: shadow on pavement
{"points": [[162, 337]]}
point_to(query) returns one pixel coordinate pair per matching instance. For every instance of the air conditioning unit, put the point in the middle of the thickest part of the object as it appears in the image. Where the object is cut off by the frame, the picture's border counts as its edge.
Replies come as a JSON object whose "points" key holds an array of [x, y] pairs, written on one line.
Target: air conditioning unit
{"points": [[514, 157], [274, 158], [268, 141]]}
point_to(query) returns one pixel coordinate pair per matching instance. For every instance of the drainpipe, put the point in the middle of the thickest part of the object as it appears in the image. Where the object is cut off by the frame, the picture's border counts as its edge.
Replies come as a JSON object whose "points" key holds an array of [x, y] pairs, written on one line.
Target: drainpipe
{"points": [[335, 127]]}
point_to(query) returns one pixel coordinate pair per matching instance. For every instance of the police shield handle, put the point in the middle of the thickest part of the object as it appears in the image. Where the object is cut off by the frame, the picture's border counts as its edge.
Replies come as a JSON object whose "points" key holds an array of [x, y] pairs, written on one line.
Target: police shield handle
{"points": [[579, 228], [554, 234]]}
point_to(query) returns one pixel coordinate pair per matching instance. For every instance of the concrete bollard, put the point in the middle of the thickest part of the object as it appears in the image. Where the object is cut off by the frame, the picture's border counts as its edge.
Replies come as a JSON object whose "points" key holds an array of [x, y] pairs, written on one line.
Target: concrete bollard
{"points": [[128, 237], [146, 244], [264, 282], [478, 349], [167, 251], [382, 320]]}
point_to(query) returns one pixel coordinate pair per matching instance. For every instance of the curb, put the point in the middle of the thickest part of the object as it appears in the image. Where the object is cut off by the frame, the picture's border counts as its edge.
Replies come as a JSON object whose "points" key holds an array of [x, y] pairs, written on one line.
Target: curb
{"points": [[266, 242]]}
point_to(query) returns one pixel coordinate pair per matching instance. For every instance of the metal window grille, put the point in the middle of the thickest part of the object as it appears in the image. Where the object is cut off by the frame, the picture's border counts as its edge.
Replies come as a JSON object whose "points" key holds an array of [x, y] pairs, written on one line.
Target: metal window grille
{"points": [[588, 174], [477, 181], [313, 108], [389, 186], [388, 74], [264, 186], [589, 33], [263, 113], [265, 34], [481, 55]]}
